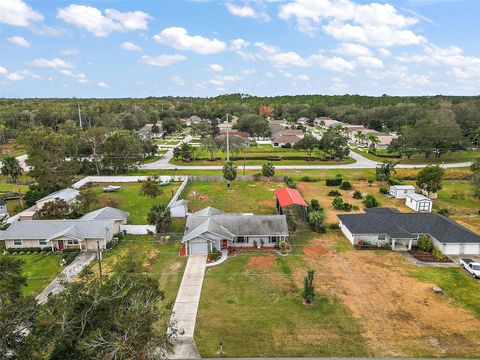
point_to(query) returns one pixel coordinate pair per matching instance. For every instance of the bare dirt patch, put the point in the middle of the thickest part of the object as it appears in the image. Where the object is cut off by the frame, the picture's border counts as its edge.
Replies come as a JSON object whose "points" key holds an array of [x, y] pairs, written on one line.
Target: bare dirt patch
{"points": [[261, 262], [175, 266], [401, 315], [151, 256], [315, 250]]}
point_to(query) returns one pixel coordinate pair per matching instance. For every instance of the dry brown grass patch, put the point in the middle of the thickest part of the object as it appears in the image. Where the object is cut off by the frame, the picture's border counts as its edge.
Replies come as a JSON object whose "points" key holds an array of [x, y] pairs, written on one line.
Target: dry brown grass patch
{"points": [[261, 262]]}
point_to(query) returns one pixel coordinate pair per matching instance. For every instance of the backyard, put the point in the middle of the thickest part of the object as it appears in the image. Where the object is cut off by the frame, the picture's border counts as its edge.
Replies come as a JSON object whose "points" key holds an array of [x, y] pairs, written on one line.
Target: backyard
{"points": [[129, 199], [369, 303]]}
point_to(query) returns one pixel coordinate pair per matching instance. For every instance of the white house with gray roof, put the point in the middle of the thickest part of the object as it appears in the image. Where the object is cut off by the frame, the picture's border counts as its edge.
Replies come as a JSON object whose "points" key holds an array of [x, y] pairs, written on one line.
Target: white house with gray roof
{"points": [[401, 230], [93, 229], [212, 228]]}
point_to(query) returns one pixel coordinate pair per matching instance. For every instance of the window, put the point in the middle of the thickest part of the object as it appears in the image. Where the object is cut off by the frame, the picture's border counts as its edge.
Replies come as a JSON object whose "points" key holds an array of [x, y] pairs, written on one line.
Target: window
{"points": [[42, 242], [274, 239], [381, 237], [424, 206], [72, 242], [17, 242], [242, 239]]}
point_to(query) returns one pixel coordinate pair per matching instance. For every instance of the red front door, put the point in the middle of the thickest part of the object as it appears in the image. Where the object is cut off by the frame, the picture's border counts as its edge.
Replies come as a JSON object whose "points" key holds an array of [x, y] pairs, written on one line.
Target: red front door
{"points": [[60, 244], [224, 243]]}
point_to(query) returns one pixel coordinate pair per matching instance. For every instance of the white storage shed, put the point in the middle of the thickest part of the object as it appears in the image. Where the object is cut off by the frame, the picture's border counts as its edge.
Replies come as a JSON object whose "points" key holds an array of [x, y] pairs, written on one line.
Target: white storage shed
{"points": [[419, 202], [401, 191]]}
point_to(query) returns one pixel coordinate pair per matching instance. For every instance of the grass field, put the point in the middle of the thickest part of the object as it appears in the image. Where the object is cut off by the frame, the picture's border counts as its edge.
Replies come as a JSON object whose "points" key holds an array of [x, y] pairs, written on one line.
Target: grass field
{"points": [[39, 269], [160, 261], [257, 155], [450, 157], [129, 199], [257, 197]]}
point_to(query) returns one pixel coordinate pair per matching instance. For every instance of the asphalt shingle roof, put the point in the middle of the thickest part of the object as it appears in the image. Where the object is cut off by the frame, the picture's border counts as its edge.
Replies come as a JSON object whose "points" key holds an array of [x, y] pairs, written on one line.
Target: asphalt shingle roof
{"points": [[106, 213], [403, 225]]}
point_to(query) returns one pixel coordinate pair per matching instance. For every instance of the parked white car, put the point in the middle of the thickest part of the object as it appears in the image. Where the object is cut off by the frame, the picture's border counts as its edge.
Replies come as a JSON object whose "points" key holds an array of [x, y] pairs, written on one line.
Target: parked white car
{"points": [[471, 266]]}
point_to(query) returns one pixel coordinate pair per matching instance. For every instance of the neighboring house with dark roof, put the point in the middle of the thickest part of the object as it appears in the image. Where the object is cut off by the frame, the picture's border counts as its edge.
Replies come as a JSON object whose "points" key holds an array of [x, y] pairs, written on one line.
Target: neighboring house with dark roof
{"points": [[402, 230], [212, 228], [93, 229]]}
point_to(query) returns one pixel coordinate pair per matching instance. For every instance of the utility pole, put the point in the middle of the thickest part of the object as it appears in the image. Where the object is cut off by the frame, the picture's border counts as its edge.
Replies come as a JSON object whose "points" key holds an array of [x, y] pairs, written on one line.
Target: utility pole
{"points": [[99, 259], [228, 143], [79, 116]]}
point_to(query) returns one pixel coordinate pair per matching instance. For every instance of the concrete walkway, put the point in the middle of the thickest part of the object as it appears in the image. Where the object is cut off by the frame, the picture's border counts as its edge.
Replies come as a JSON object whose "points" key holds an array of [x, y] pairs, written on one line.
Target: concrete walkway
{"points": [[68, 274], [186, 306]]}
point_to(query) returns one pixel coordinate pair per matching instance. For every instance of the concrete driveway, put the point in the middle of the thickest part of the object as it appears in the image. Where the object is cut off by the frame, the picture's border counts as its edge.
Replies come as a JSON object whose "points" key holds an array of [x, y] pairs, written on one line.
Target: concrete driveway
{"points": [[186, 306], [68, 274]]}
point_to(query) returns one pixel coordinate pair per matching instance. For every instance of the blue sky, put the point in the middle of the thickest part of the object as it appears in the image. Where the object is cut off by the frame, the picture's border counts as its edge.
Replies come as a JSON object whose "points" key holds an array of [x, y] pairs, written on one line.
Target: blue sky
{"points": [[206, 48]]}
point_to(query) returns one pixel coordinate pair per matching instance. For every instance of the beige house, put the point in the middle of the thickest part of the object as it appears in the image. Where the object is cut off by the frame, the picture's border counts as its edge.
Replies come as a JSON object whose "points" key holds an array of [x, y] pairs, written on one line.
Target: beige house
{"points": [[93, 230]]}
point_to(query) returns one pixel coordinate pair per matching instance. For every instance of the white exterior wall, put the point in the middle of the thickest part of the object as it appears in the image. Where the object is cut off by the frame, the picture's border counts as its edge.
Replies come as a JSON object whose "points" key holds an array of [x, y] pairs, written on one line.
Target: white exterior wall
{"points": [[347, 233], [416, 205], [178, 211], [471, 249], [26, 243], [400, 194]]}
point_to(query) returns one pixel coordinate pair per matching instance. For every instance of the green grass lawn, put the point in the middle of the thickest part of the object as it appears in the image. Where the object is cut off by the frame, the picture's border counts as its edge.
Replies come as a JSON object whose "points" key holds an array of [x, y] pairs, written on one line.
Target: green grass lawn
{"points": [[455, 282], [39, 269], [257, 197], [160, 261], [257, 155], [258, 312], [450, 157], [129, 199]]}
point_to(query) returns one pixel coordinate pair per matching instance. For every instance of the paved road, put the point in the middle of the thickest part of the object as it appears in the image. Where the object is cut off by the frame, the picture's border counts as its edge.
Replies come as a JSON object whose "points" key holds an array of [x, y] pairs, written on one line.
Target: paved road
{"points": [[164, 162], [185, 309], [68, 274], [361, 162]]}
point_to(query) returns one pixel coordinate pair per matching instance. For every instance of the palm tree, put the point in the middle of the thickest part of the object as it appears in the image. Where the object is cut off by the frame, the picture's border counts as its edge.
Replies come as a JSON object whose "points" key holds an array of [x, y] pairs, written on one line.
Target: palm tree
{"points": [[11, 167], [374, 141], [476, 137], [159, 216]]}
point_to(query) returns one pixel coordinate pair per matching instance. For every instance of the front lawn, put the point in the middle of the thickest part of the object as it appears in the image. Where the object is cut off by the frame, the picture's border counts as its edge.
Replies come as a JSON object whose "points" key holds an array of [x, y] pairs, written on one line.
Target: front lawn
{"points": [[160, 261], [39, 269], [129, 199], [256, 197]]}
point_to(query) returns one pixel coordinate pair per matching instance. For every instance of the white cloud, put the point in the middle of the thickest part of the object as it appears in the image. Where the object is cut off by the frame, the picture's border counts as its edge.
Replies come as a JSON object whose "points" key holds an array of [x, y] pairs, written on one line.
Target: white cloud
{"points": [[94, 21], [216, 67], [303, 77], [19, 41], [177, 79], [14, 76], [332, 63], [53, 63], [246, 11], [18, 13], [178, 38], [162, 60], [369, 62], [351, 49], [374, 23], [249, 72], [130, 46], [238, 44], [220, 80], [70, 51], [288, 59], [103, 84], [3, 70], [80, 77], [269, 75], [338, 85]]}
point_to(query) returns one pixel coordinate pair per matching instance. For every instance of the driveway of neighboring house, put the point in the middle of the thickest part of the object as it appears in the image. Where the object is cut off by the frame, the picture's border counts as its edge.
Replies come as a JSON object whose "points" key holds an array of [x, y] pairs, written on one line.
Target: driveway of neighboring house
{"points": [[185, 309], [68, 274]]}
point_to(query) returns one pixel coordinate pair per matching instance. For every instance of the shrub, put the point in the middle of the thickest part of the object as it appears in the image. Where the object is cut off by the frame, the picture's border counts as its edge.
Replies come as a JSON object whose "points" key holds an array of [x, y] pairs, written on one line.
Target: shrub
{"points": [[383, 190], [314, 205], [340, 205], [355, 207], [444, 212], [392, 181], [370, 201], [438, 254], [214, 254], [346, 186], [308, 179], [290, 183], [28, 250], [357, 194], [315, 220], [334, 226], [425, 243], [334, 193], [69, 256], [333, 182], [308, 288]]}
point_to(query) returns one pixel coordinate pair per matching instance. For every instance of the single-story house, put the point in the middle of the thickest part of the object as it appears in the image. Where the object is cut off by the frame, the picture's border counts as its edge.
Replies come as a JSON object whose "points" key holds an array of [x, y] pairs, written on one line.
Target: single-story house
{"points": [[212, 228], [179, 209], [288, 132], [87, 233], [327, 122], [68, 194], [288, 200], [286, 140], [401, 191], [147, 133], [3, 208], [419, 202], [108, 213], [401, 230]]}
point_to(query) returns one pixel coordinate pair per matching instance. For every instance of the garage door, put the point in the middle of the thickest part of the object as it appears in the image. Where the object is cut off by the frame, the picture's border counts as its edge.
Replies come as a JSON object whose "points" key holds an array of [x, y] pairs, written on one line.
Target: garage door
{"points": [[198, 248], [452, 249], [471, 249]]}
